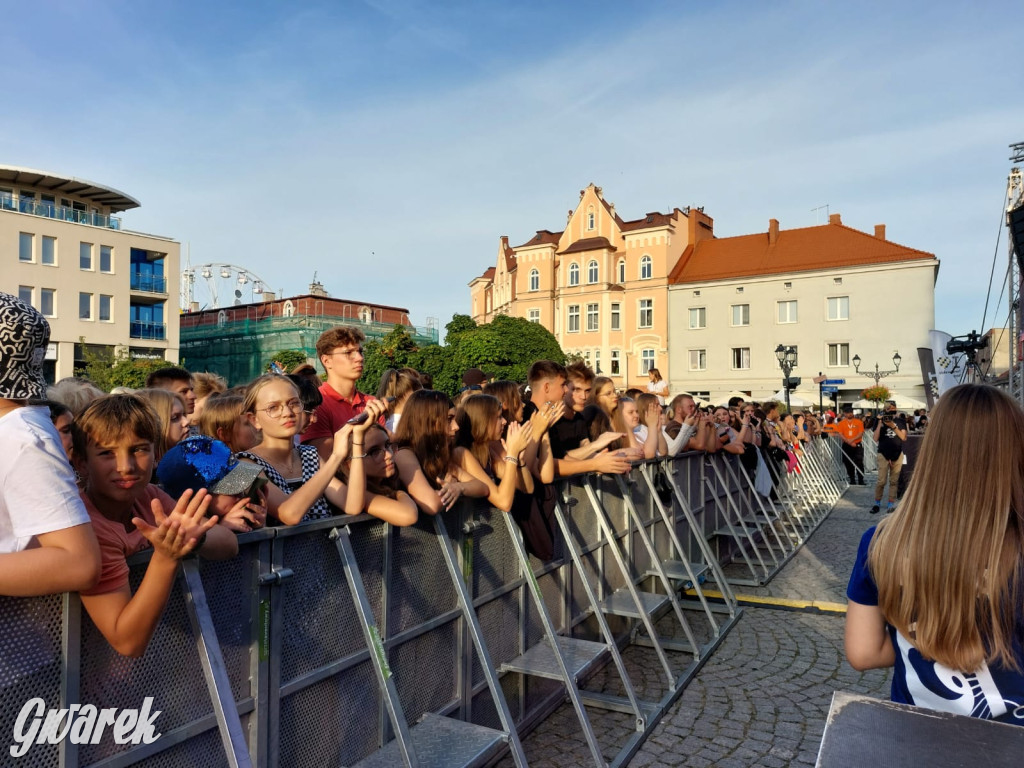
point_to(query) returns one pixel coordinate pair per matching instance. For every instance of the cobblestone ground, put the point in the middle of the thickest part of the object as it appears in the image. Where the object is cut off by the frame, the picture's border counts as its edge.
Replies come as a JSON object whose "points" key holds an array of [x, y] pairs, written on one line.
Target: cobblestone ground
{"points": [[762, 697]]}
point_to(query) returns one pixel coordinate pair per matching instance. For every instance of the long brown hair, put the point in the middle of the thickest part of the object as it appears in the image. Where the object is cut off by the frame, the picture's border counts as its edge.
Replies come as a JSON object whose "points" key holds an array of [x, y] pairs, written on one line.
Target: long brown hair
{"points": [[949, 563], [618, 424], [424, 430], [476, 415], [163, 401]]}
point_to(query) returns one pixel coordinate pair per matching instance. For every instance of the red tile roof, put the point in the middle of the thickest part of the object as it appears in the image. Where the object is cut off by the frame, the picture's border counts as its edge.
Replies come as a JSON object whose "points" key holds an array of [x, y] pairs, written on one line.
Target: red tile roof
{"points": [[795, 250], [542, 237], [590, 244], [653, 219]]}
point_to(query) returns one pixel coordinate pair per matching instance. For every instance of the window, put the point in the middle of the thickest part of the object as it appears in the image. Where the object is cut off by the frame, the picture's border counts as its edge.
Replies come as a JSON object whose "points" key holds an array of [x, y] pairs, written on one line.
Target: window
{"points": [[590, 220], [616, 316], [622, 270], [646, 361], [25, 246], [288, 310], [614, 365], [573, 322], [839, 308], [741, 314], [222, 319], [85, 256], [698, 359], [105, 302], [787, 311], [592, 272], [698, 317], [106, 259], [25, 294], [592, 315], [646, 317], [645, 268], [740, 358], [46, 302], [597, 361], [534, 316], [574, 274], [49, 251], [838, 354], [534, 280], [85, 306]]}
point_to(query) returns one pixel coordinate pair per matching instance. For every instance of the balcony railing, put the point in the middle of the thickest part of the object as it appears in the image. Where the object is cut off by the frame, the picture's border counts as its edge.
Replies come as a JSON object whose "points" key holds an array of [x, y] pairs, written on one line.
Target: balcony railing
{"points": [[61, 212], [148, 282], [151, 331]]}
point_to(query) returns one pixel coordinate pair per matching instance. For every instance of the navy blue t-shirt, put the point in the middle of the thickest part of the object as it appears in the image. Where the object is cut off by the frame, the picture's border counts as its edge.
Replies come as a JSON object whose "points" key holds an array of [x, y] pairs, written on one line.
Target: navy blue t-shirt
{"points": [[992, 693]]}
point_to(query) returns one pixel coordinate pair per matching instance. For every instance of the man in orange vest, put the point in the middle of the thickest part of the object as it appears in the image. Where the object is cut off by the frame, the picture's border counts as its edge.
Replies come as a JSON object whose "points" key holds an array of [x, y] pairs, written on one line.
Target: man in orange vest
{"points": [[851, 430]]}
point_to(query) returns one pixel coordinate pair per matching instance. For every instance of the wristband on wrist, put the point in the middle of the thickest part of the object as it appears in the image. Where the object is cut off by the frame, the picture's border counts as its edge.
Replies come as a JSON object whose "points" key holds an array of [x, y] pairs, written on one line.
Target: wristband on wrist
{"points": [[360, 455], [513, 460]]}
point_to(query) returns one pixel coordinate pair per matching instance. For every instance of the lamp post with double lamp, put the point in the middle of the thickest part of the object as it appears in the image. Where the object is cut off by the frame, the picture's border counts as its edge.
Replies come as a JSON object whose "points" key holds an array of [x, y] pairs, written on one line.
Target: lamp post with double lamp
{"points": [[787, 362], [877, 375]]}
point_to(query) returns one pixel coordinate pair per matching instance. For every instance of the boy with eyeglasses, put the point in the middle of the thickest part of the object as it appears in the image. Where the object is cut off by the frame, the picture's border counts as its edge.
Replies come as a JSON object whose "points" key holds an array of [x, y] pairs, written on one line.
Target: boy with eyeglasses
{"points": [[341, 353]]}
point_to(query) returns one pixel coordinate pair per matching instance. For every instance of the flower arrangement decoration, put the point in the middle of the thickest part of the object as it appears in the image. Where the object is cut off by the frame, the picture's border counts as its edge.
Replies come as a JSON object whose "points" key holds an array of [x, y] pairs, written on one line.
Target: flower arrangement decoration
{"points": [[876, 394]]}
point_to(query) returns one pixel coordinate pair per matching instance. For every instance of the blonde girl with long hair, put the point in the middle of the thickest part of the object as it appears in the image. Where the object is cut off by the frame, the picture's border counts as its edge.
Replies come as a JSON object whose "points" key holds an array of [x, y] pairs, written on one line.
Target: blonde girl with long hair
{"points": [[175, 423], [936, 590]]}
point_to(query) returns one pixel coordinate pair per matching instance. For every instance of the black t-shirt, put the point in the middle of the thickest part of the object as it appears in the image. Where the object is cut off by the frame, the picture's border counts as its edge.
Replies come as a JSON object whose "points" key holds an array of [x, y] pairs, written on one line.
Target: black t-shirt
{"points": [[889, 445], [567, 434]]}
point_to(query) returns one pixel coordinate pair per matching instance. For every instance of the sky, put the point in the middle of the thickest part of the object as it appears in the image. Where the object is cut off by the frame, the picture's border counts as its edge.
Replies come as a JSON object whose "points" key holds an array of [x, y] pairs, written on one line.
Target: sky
{"points": [[387, 145]]}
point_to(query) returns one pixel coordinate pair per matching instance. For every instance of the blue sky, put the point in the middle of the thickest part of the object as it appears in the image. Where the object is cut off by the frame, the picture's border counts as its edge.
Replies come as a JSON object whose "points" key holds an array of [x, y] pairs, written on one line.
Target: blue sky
{"points": [[387, 145]]}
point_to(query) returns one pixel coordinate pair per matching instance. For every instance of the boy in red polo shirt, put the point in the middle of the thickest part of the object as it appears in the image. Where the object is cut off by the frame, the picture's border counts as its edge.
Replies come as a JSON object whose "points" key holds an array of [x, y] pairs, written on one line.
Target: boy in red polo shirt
{"points": [[341, 353]]}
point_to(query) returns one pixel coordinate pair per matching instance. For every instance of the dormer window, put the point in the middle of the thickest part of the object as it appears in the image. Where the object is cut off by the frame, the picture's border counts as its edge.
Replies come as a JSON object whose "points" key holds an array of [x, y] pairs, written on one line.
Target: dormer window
{"points": [[591, 220]]}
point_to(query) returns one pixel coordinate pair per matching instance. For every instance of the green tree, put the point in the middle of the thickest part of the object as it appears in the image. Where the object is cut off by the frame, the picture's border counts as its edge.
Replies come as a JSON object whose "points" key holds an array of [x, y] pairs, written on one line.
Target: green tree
{"points": [[506, 347], [439, 362], [120, 370], [394, 350], [288, 358]]}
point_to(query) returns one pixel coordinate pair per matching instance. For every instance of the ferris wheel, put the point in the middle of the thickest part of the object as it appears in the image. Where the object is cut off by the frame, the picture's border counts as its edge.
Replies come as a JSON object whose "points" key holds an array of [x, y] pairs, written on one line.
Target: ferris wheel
{"points": [[209, 286]]}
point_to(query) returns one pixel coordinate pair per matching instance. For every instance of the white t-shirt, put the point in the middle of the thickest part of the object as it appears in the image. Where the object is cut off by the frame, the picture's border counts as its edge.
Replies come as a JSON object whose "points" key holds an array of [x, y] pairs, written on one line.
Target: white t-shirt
{"points": [[659, 388], [37, 485]]}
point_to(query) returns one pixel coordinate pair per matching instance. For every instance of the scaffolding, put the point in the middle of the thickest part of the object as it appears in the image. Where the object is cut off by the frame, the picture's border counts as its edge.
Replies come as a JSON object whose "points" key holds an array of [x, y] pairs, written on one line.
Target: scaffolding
{"points": [[240, 346]]}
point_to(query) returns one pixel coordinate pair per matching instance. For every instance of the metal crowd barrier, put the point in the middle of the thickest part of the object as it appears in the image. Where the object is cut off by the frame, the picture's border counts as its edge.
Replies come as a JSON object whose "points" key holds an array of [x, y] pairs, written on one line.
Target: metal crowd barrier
{"points": [[346, 641]]}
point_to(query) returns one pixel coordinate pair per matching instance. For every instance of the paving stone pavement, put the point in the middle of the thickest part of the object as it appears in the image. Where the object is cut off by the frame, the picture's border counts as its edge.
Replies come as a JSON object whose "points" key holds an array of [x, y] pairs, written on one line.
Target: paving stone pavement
{"points": [[762, 697]]}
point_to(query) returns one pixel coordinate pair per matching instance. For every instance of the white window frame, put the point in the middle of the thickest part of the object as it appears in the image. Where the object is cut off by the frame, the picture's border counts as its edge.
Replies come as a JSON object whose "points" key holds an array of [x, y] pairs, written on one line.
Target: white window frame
{"points": [[791, 317], [701, 318], [31, 294], [92, 314], [740, 324], [534, 280], [28, 237], [110, 253], [593, 272], [572, 314], [838, 347], [733, 357], [621, 270], [646, 267], [574, 274], [533, 315], [701, 362], [839, 307], [591, 220], [593, 317], [42, 251], [615, 324], [52, 293], [83, 248], [110, 308], [643, 311], [615, 364], [647, 358]]}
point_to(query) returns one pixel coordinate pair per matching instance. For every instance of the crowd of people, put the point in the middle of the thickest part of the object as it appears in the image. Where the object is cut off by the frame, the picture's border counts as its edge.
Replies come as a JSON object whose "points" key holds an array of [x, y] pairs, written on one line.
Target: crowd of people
{"points": [[185, 464]]}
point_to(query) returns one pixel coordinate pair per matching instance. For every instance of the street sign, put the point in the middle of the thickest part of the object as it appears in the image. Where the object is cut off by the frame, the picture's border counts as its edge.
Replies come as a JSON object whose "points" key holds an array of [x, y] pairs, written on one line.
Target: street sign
{"points": [[834, 382], [829, 390], [820, 379]]}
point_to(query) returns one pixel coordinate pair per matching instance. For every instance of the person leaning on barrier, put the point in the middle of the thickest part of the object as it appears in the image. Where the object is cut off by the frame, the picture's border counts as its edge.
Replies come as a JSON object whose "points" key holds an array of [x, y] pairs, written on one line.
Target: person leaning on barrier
{"points": [[683, 432], [651, 421], [729, 439], [114, 454], [936, 590], [430, 466], [47, 545], [548, 387]]}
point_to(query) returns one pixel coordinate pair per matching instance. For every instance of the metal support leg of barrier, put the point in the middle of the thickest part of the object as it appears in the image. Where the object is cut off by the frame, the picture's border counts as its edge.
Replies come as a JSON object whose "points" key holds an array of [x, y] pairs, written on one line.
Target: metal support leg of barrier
{"points": [[717, 574], [666, 584], [761, 517], [371, 635], [678, 566], [477, 635], [228, 723], [741, 535], [790, 525], [560, 658]]}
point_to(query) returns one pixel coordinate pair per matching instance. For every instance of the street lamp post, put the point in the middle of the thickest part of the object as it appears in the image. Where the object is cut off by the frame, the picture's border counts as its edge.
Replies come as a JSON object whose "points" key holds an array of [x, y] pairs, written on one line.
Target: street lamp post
{"points": [[877, 375], [787, 362]]}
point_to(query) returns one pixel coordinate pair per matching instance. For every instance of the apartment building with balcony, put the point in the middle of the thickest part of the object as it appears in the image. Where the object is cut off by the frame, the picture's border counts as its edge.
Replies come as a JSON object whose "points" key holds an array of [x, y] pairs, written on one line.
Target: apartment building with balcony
{"points": [[102, 287], [600, 285], [832, 292]]}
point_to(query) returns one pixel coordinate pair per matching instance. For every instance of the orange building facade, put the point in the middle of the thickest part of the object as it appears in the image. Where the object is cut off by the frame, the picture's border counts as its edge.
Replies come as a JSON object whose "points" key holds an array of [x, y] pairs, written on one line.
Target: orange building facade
{"points": [[600, 285]]}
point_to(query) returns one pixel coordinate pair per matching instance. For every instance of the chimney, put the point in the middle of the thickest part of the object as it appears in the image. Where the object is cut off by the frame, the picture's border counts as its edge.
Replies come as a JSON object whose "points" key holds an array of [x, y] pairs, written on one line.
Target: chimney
{"points": [[880, 231], [833, 218], [269, 296], [773, 231]]}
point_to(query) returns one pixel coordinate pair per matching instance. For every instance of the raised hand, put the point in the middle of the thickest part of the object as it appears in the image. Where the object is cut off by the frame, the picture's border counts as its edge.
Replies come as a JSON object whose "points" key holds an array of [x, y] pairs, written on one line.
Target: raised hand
{"points": [[177, 534], [516, 439], [245, 516]]}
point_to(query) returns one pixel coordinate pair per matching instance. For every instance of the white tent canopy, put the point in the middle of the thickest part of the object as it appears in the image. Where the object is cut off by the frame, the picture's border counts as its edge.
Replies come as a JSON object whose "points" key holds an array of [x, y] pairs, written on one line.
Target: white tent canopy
{"points": [[724, 399], [903, 402], [794, 399]]}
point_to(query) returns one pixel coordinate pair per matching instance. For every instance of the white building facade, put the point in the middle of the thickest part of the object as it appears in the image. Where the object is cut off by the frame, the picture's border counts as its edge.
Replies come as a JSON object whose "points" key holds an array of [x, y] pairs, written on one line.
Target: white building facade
{"points": [[832, 292], [102, 288]]}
